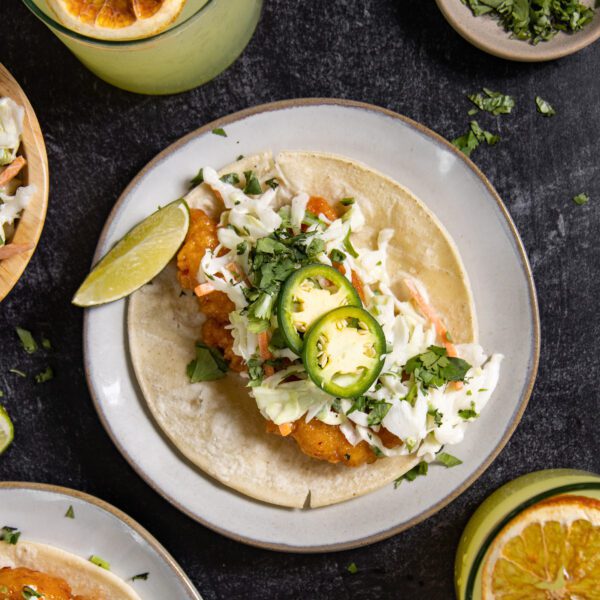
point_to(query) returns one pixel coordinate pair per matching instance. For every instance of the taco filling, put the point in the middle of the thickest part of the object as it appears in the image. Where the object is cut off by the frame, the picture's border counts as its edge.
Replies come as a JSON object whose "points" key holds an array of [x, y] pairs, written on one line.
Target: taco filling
{"points": [[20, 582], [341, 350]]}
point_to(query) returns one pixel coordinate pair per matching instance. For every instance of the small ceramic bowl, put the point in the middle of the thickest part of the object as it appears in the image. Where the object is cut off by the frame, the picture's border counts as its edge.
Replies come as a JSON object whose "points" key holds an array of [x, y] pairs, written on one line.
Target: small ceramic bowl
{"points": [[485, 33], [29, 227]]}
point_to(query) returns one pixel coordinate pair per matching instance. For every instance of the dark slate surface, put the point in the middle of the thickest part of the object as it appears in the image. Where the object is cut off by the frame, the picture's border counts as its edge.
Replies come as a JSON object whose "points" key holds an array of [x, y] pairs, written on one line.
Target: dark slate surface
{"points": [[398, 54]]}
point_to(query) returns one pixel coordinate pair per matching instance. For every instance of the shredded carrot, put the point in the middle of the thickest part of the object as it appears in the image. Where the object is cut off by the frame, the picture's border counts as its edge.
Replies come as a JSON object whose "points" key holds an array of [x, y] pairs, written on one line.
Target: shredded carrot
{"points": [[286, 428], [358, 286], [265, 353], [340, 267], [430, 313], [12, 170], [13, 249], [203, 289]]}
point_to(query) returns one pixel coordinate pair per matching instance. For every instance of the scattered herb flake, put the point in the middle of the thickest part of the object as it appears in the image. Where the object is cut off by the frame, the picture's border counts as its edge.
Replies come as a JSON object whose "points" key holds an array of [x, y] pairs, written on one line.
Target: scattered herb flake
{"points": [[418, 470], [476, 135], [18, 372], [240, 156], [219, 131], [495, 103], [352, 568], [28, 592], [10, 535], [70, 514], [337, 256], [448, 460], [46, 375], [347, 201], [544, 108], [46, 343], [468, 413], [252, 186], [581, 199], [100, 562], [198, 179], [140, 576], [29, 344], [231, 178], [273, 183]]}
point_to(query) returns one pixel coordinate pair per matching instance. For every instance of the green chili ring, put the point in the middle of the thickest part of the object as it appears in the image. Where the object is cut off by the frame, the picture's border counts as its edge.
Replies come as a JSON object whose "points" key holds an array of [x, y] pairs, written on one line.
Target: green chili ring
{"points": [[346, 296], [344, 352]]}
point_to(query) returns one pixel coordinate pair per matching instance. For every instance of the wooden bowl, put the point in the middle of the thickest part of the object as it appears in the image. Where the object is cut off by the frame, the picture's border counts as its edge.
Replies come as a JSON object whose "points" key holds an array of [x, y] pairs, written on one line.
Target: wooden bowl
{"points": [[485, 33], [29, 227]]}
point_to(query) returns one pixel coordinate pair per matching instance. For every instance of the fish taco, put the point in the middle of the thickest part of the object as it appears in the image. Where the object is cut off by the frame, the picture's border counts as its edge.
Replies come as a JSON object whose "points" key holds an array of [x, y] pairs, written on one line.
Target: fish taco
{"points": [[34, 570], [316, 337]]}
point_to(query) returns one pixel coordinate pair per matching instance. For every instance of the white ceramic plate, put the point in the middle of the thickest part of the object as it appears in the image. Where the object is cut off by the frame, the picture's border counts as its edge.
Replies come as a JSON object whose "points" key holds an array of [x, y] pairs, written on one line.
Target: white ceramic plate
{"points": [[503, 288], [38, 511]]}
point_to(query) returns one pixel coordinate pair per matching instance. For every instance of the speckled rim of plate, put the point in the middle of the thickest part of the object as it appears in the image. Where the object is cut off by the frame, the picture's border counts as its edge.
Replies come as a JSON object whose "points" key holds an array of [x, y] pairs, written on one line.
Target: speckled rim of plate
{"points": [[283, 104], [118, 514], [484, 33], [30, 225]]}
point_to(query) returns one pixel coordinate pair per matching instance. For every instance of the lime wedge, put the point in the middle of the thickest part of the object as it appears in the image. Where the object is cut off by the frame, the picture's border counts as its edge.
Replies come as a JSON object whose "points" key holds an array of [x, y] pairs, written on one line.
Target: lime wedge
{"points": [[7, 431], [141, 255]]}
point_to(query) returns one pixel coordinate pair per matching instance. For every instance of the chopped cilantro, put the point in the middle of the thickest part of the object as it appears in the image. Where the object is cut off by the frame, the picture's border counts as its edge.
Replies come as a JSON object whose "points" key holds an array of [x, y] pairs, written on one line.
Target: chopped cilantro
{"points": [[241, 248], [29, 344], [347, 201], [476, 135], [198, 179], [534, 20], [28, 592], [315, 248], [46, 375], [240, 156], [434, 368], [416, 471], [492, 102], [99, 562], [543, 107], [46, 343], [352, 568], [208, 365], [468, 413], [252, 186], [219, 131], [273, 183], [472, 111], [378, 453], [70, 514], [231, 178], [18, 372], [379, 409], [448, 460], [140, 576], [581, 199], [436, 414], [337, 256], [10, 535]]}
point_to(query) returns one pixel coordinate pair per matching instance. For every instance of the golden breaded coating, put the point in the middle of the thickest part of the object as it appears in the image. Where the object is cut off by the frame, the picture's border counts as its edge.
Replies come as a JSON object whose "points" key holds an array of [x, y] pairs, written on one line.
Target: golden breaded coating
{"points": [[215, 335]]}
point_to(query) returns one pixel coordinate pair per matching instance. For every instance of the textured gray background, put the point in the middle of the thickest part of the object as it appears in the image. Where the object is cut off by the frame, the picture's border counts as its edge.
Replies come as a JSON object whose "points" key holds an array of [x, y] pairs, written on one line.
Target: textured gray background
{"points": [[398, 54]]}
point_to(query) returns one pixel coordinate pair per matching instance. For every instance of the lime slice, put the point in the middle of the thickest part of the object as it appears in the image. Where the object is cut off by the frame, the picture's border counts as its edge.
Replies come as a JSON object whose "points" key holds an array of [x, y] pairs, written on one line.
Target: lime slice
{"points": [[141, 255], [7, 431]]}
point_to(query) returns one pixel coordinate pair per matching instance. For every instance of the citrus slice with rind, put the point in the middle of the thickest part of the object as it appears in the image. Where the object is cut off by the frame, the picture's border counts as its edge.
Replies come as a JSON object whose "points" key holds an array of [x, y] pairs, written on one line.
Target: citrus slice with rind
{"points": [[550, 551], [137, 258], [7, 431], [117, 19]]}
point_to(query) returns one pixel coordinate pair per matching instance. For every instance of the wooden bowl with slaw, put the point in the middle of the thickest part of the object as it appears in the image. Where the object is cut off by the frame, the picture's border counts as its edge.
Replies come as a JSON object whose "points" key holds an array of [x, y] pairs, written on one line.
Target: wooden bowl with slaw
{"points": [[29, 226]]}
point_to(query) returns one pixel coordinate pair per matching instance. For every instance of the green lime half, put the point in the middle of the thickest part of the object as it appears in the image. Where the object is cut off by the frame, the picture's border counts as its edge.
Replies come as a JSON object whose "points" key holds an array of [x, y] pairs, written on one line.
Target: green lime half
{"points": [[141, 255], [7, 431]]}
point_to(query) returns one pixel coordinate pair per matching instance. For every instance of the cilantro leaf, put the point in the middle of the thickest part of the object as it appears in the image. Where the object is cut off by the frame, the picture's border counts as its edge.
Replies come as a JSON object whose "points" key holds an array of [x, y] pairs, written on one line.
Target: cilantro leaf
{"points": [[448, 460], [544, 108], [28, 592], [337, 256], [27, 341], [379, 409], [198, 179], [468, 413], [219, 131], [140, 576], [10, 535], [347, 201], [208, 365], [495, 103], [70, 514], [418, 470], [434, 368], [471, 140], [273, 183], [352, 568], [231, 178], [252, 186], [46, 375]]}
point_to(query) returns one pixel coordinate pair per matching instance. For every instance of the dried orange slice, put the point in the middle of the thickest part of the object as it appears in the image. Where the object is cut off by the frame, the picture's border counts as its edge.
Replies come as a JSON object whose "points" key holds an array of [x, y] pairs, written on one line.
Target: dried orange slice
{"points": [[551, 551], [117, 19]]}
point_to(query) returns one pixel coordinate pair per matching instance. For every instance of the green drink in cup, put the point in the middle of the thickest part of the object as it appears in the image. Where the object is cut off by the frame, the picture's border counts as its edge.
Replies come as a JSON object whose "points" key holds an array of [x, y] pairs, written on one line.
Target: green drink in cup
{"points": [[535, 538], [174, 45]]}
